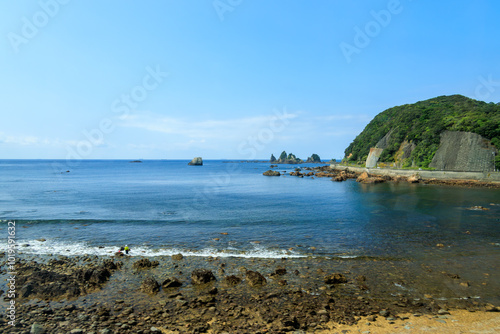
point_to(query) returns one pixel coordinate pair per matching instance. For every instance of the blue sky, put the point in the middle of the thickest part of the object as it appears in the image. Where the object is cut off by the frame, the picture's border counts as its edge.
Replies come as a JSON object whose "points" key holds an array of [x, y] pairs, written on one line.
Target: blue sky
{"points": [[228, 78]]}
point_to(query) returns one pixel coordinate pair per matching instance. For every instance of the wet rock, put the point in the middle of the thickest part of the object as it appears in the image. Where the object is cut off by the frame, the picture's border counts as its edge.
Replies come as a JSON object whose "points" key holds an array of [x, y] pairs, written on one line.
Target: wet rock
{"points": [[290, 322], [103, 311], [37, 329], [150, 286], [280, 271], [271, 173], [177, 257], [254, 278], [415, 178], [492, 308], [384, 313], [145, 264], [205, 299], [478, 208], [232, 280], [366, 178], [41, 240], [335, 279], [77, 331], [454, 276], [202, 276], [171, 282]]}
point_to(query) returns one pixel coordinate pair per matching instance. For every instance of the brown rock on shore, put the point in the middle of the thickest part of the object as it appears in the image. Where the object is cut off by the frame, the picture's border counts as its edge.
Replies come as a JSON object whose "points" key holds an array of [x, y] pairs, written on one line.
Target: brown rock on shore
{"points": [[296, 304], [254, 278], [202, 276], [366, 178]]}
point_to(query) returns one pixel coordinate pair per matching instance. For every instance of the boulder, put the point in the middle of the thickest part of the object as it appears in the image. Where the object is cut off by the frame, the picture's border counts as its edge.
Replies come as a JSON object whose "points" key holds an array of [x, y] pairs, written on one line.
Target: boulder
{"points": [[145, 264], [366, 178], [335, 279], [232, 280], [415, 178], [198, 161], [202, 276], [171, 283], [254, 278], [271, 173], [177, 257], [363, 177], [150, 286], [37, 329]]}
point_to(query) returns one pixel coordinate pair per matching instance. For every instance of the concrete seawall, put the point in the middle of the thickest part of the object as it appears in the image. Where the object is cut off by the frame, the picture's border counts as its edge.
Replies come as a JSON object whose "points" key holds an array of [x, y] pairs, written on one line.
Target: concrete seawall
{"points": [[426, 174]]}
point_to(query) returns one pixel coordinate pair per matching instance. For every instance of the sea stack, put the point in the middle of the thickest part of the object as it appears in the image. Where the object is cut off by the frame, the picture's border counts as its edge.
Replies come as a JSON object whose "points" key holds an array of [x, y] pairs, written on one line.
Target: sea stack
{"points": [[198, 161]]}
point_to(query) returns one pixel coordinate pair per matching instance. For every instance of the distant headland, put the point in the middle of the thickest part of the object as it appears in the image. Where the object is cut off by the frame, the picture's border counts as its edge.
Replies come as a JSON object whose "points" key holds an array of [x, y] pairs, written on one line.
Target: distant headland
{"points": [[452, 133]]}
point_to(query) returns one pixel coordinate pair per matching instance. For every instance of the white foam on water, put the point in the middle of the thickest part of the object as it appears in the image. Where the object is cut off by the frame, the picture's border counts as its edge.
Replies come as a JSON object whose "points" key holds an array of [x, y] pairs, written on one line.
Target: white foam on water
{"points": [[50, 247]]}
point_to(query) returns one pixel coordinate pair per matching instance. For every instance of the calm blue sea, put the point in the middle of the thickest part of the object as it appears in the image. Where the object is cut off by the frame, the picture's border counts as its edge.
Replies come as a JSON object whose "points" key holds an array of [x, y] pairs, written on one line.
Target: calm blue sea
{"points": [[166, 207]]}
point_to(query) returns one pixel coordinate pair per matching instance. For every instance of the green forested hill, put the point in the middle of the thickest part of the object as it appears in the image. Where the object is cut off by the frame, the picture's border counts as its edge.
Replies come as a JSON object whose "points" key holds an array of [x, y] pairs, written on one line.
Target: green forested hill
{"points": [[421, 123]]}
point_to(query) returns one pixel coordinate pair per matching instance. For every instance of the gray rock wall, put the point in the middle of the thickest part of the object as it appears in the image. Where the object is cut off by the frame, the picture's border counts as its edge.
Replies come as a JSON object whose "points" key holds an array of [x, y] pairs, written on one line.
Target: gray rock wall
{"points": [[464, 151], [373, 157]]}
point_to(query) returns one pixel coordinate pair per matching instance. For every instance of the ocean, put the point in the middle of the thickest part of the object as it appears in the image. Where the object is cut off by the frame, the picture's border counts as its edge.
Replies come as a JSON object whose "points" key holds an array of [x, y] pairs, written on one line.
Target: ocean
{"points": [[165, 207], [411, 236]]}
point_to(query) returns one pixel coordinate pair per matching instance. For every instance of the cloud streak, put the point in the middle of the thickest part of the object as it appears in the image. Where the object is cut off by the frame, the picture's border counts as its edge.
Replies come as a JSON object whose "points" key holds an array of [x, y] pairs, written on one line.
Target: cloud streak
{"points": [[198, 129]]}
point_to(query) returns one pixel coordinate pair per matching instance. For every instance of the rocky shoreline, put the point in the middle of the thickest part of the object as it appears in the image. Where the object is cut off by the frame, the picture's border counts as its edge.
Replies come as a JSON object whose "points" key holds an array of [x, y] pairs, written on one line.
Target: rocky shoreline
{"points": [[90, 294], [341, 173]]}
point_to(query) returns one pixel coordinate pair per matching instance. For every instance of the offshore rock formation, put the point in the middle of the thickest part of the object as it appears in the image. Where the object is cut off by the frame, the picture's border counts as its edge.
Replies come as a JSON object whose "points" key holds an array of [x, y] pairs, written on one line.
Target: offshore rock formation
{"points": [[288, 159], [464, 151], [198, 161], [314, 158], [271, 173]]}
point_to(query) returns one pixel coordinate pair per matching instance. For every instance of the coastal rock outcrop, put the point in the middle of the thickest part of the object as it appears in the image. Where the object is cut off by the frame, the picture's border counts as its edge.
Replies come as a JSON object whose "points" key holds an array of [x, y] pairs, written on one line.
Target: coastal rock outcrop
{"points": [[314, 159], [145, 264], [255, 278], [232, 280], [202, 276], [150, 286], [198, 161], [335, 279], [62, 278], [171, 282], [415, 178], [367, 178], [271, 173]]}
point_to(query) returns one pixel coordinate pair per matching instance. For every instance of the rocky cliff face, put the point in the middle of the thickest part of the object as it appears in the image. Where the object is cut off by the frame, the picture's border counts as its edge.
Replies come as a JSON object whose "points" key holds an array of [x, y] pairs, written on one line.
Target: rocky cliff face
{"points": [[373, 157], [464, 151]]}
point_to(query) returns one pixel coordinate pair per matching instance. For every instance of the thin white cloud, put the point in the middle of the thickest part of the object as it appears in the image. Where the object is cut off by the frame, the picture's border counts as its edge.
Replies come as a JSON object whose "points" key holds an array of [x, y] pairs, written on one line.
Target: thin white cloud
{"points": [[24, 140], [201, 129]]}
